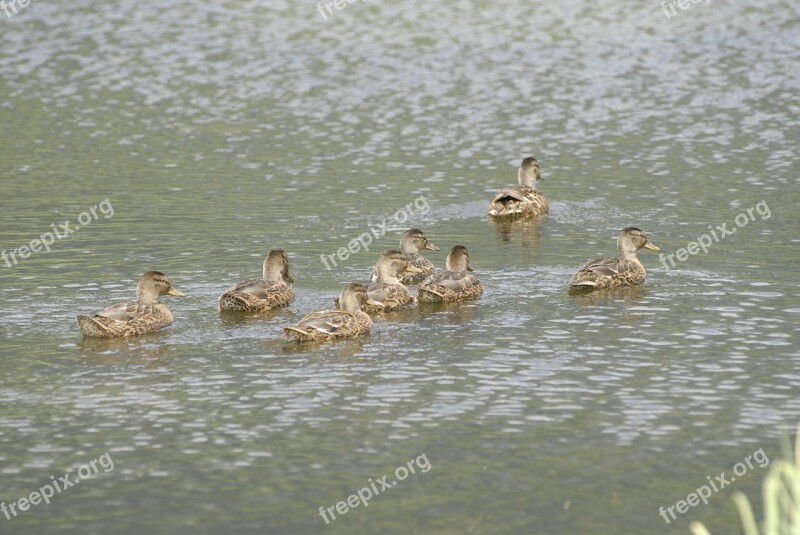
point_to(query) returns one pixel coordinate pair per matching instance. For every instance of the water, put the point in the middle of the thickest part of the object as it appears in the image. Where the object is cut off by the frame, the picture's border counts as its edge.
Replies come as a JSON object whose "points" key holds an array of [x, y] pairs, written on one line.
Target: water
{"points": [[220, 130]]}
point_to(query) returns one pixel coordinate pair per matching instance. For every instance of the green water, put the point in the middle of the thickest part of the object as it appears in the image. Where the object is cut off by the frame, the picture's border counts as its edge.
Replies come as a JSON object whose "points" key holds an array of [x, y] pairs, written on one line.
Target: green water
{"points": [[219, 130]]}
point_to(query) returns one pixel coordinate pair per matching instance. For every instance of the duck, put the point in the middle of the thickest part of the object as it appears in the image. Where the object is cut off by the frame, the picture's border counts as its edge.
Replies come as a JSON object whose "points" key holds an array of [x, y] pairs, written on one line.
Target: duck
{"points": [[146, 314], [389, 293], [456, 283], [259, 295], [348, 321], [626, 270], [523, 200], [411, 243]]}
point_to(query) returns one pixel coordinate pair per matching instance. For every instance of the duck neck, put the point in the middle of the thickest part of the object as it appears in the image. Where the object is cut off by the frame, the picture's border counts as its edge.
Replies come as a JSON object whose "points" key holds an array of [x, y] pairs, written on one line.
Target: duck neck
{"points": [[272, 272], [388, 276], [455, 264], [407, 245], [528, 177], [349, 303], [627, 251], [146, 296]]}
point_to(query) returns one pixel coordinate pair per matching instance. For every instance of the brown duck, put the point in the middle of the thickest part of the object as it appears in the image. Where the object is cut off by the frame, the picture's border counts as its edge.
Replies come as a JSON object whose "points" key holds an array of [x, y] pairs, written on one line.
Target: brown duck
{"points": [[412, 242], [144, 315], [626, 270], [456, 283], [388, 293], [259, 295], [523, 200], [346, 322]]}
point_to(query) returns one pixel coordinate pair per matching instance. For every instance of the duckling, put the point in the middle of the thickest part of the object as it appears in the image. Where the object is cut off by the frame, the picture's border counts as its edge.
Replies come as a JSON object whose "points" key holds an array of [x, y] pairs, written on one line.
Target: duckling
{"points": [[411, 243], [523, 200], [347, 322], [456, 283], [259, 295], [144, 315], [626, 270]]}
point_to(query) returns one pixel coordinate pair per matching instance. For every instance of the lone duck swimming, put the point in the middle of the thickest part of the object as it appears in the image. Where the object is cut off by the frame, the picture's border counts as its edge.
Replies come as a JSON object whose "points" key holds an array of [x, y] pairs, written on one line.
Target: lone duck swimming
{"points": [[523, 200], [626, 270]]}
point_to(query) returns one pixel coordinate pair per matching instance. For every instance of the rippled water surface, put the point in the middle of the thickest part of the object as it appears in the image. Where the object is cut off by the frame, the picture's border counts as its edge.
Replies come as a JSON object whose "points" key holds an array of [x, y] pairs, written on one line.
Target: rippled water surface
{"points": [[216, 131]]}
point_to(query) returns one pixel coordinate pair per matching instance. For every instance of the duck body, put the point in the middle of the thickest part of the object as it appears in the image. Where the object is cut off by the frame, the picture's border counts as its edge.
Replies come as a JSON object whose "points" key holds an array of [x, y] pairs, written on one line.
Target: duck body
{"points": [[449, 287], [260, 295], [144, 315], [412, 242], [126, 319], [626, 270], [256, 295], [518, 201], [325, 325], [608, 273], [456, 283], [523, 200]]}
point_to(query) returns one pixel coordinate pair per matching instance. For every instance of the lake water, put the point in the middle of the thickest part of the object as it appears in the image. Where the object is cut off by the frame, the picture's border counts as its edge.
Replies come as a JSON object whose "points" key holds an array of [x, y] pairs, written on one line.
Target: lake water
{"points": [[216, 131]]}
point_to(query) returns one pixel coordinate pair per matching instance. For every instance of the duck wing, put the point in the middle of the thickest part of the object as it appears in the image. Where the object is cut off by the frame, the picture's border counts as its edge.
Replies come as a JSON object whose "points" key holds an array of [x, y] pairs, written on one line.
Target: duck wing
{"points": [[125, 312], [257, 288], [389, 295], [609, 266], [517, 193]]}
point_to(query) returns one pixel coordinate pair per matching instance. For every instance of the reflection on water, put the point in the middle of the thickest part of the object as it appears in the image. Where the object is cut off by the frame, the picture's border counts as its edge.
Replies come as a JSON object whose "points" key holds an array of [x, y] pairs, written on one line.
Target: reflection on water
{"points": [[343, 349], [148, 351], [524, 231], [610, 296], [222, 130], [233, 319], [435, 313]]}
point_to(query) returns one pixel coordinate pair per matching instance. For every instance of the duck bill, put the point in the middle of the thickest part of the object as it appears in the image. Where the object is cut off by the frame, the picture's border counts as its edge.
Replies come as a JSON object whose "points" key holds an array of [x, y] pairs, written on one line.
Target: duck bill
{"points": [[413, 269], [288, 278], [172, 291], [373, 303], [651, 247], [431, 247], [470, 269]]}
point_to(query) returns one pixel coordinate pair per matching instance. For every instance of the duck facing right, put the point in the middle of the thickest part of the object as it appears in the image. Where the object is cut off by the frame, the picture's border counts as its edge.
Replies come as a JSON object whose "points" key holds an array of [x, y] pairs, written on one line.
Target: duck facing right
{"points": [[626, 270]]}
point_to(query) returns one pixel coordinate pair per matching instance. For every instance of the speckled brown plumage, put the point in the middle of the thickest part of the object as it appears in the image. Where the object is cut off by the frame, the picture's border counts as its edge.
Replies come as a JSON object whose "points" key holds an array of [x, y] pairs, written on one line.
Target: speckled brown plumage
{"points": [[324, 325], [259, 295], [456, 283], [144, 315], [626, 270], [412, 242], [523, 200], [389, 293]]}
